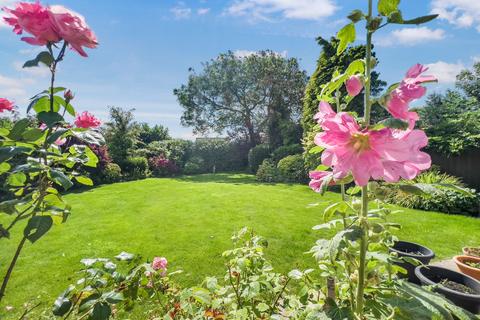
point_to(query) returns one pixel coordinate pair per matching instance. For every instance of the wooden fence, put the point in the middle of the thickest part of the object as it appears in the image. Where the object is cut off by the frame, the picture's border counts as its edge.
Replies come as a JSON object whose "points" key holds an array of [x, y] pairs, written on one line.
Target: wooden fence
{"points": [[465, 166]]}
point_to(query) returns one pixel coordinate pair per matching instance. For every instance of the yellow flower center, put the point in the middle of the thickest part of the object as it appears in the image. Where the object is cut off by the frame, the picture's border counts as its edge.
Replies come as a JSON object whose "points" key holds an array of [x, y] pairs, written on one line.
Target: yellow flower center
{"points": [[360, 142]]}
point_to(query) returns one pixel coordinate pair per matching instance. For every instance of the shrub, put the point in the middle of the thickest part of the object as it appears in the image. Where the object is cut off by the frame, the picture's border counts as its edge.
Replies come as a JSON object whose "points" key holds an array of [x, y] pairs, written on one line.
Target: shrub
{"points": [[162, 167], [194, 166], [443, 200], [214, 152], [110, 173], [267, 172], [135, 168], [288, 150], [256, 155], [292, 169], [175, 150]]}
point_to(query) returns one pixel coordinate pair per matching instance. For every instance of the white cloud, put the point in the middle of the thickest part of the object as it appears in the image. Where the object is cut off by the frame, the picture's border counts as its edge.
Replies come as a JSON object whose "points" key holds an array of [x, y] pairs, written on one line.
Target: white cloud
{"points": [[247, 53], [40, 71], [203, 11], [290, 9], [445, 72], [461, 13], [411, 36], [15, 88], [181, 11]]}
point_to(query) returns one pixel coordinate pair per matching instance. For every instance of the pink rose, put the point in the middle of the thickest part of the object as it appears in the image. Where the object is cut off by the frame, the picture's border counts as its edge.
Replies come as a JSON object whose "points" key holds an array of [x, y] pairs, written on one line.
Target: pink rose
{"points": [[34, 19], [86, 120], [354, 85], [159, 263], [72, 27], [5, 105]]}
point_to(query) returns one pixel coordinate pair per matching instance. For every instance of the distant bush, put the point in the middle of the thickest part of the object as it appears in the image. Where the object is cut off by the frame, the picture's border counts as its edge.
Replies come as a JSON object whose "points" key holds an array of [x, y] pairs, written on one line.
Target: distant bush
{"points": [[256, 155], [110, 173], [292, 169], [135, 168], [267, 171], [288, 150], [195, 165], [162, 167], [442, 200]]}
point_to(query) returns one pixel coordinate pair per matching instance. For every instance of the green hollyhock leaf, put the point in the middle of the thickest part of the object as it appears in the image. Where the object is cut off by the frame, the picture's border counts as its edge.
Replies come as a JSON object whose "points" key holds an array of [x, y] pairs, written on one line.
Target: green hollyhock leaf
{"points": [[346, 35], [37, 226], [386, 7]]}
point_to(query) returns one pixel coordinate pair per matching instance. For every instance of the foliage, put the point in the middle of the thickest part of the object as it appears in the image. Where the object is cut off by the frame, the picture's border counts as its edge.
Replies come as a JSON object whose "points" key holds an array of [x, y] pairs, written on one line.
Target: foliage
{"points": [[147, 134], [245, 96], [450, 120], [292, 169], [287, 150], [267, 171], [194, 165], [175, 150], [162, 167], [37, 168], [442, 200], [110, 173], [214, 153], [120, 134], [135, 168], [256, 155], [469, 81]]}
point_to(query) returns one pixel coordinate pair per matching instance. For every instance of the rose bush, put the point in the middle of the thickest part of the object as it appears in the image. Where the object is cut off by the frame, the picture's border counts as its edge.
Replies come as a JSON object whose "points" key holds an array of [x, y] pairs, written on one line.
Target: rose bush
{"points": [[41, 156]]}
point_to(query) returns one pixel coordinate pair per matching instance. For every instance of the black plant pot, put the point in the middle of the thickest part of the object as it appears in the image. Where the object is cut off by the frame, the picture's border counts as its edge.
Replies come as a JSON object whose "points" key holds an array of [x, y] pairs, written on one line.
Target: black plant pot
{"points": [[432, 275], [408, 249]]}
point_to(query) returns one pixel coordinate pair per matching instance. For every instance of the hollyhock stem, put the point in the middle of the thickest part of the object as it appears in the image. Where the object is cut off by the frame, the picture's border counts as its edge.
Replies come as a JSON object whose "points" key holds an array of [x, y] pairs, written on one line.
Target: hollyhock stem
{"points": [[364, 209], [339, 109]]}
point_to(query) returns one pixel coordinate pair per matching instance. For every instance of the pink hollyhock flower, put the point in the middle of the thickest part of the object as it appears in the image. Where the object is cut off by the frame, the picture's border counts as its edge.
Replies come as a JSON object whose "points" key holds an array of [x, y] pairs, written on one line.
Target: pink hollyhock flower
{"points": [[72, 27], [60, 141], [324, 111], [86, 120], [5, 105], [379, 154], [34, 19], [408, 90], [159, 263], [318, 178], [354, 85]]}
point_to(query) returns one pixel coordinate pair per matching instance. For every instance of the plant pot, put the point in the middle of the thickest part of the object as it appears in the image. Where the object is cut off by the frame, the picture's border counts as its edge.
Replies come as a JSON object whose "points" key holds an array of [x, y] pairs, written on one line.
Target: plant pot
{"points": [[471, 251], [432, 275], [411, 250], [465, 268]]}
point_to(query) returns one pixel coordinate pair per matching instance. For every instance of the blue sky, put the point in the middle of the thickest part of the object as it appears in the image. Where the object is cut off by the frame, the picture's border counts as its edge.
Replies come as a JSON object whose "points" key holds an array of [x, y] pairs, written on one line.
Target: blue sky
{"points": [[147, 46]]}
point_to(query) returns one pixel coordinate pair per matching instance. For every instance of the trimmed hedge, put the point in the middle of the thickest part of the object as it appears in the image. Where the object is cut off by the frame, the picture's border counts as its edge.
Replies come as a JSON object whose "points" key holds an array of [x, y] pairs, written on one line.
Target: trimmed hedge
{"points": [[292, 169]]}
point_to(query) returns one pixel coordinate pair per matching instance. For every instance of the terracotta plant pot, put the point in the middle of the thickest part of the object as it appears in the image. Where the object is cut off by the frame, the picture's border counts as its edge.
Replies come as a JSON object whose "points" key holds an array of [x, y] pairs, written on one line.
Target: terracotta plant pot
{"points": [[471, 251], [461, 262], [409, 249], [432, 276]]}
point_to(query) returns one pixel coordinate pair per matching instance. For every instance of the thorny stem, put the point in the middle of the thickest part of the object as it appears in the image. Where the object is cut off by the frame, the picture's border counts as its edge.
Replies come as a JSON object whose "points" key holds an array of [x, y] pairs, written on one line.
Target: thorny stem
{"points": [[235, 288], [272, 308], [42, 186], [364, 209]]}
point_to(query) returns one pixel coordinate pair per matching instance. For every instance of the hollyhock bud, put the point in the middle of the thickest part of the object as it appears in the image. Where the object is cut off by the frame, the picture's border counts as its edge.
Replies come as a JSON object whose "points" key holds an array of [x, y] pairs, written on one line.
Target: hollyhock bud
{"points": [[68, 95], [354, 85], [5, 105], [86, 120], [159, 263]]}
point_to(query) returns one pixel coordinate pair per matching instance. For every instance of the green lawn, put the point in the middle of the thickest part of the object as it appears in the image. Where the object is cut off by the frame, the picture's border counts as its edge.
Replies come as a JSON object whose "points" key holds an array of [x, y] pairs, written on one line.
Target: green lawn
{"points": [[190, 220]]}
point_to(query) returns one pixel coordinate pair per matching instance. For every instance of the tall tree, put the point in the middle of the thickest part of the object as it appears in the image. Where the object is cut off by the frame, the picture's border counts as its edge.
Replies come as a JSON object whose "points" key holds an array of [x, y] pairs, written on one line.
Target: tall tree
{"points": [[250, 97], [469, 81], [147, 133], [120, 133]]}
